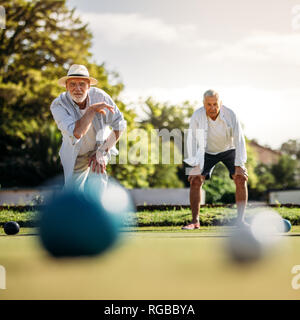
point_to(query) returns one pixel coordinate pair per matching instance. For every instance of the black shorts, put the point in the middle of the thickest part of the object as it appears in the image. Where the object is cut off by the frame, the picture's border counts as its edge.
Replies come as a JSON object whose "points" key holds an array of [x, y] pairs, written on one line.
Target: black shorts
{"points": [[210, 160]]}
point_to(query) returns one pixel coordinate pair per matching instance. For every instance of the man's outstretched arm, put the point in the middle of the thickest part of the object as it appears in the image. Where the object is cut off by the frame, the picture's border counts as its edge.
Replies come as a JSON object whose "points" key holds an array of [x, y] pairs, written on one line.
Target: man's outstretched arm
{"points": [[82, 125]]}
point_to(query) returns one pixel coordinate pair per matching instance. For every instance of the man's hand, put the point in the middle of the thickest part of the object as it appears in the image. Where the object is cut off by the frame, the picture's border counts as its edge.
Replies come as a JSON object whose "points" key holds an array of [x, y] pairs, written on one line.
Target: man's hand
{"points": [[240, 171], [194, 173], [97, 164], [100, 106]]}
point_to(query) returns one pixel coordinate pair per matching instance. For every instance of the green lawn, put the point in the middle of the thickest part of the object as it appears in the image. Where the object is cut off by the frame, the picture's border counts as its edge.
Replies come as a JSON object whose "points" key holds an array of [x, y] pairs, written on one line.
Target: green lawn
{"points": [[154, 260], [156, 229], [208, 217]]}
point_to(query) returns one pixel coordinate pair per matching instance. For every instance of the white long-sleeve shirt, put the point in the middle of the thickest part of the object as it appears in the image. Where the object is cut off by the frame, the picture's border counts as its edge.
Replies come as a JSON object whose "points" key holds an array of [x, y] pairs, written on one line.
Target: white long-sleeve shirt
{"points": [[198, 132], [66, 112]]}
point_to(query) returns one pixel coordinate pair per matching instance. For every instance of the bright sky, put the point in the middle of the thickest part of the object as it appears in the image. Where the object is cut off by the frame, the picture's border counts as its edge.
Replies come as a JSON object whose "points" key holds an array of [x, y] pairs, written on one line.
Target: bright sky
{"points": [[174, 50]]}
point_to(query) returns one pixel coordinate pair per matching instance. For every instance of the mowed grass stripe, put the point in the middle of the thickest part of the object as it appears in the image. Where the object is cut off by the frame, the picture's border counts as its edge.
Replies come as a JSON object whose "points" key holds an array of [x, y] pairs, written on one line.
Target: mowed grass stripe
{"points": [[208, 217]]}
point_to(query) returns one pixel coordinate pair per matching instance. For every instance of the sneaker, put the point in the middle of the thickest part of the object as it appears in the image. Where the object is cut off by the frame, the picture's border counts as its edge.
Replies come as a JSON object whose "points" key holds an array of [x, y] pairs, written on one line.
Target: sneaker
{"points": [[191, 226]]}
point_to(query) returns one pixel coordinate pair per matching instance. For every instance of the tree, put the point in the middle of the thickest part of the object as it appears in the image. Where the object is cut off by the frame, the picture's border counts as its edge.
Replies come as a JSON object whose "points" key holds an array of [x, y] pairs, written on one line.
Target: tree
{"points": [[266, 179], [164, 115], [281, 175], [285, 172], [40, 35], [292, 148], [175, 119]]}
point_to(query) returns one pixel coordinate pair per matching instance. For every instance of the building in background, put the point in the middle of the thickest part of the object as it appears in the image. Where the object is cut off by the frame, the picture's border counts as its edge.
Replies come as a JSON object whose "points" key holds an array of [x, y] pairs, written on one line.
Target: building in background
{"points": [[265, 155]]}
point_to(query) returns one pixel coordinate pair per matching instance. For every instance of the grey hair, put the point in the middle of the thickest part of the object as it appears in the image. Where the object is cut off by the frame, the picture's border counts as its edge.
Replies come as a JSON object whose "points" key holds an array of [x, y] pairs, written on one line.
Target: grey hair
{"points": [[211, 93]]}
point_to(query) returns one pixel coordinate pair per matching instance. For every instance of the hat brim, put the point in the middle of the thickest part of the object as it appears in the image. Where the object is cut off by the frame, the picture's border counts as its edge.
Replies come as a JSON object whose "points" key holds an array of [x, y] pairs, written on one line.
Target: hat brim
{"points": [[62, 81]]}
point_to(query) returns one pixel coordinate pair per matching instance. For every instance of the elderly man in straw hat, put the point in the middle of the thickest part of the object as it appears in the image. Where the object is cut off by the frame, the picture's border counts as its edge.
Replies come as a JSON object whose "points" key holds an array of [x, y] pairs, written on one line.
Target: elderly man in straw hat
{"points": [[82, 114], [215, 134]]}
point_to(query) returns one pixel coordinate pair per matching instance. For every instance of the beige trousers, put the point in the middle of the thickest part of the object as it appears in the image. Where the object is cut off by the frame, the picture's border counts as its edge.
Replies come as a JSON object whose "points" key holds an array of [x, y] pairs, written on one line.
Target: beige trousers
{"points": [[84, 178]]}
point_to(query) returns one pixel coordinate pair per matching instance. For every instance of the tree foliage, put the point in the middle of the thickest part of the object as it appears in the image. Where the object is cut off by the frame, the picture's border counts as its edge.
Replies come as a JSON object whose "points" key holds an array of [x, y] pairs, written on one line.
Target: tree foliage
{"points": [[174, 119], [281, 175], [292, 148], [284, 172]]}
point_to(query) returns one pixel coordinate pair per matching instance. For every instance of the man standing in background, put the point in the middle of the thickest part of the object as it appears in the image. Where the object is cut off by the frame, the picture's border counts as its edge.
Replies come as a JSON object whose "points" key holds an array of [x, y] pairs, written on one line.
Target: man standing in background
{"points": [[215, 134]]}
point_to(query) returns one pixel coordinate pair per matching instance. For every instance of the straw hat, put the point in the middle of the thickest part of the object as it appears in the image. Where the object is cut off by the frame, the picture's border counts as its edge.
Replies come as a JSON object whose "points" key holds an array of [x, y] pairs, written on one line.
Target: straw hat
{"points": [[77, 71]]}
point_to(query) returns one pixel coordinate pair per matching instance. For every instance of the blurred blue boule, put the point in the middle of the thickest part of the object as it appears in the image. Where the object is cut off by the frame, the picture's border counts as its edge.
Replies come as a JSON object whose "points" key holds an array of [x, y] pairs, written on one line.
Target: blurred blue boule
{"points": [[72, 224]]}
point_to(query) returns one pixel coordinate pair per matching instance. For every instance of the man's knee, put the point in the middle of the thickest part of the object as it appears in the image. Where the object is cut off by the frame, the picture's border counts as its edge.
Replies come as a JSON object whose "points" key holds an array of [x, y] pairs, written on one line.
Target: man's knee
{"points": [[197, 182], [240, 180]]}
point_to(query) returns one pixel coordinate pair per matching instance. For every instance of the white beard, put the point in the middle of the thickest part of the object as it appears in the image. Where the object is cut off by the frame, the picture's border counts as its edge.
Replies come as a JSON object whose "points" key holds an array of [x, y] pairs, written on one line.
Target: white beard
{"points": [[79, 100]]}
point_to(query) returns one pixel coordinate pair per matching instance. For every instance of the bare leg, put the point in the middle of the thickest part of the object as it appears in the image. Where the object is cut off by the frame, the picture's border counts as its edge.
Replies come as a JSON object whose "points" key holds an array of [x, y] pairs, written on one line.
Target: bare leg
{"points": [[195, 197], [241, 197]]}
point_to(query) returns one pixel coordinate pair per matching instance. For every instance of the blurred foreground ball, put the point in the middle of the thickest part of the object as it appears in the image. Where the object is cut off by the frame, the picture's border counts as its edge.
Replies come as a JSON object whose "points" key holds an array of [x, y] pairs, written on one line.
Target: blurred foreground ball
{"points": [[243, 247], [114, 199], [266, 226], [75, 225], [11, 227], [287, 225], [260, 239], [117, 201]]}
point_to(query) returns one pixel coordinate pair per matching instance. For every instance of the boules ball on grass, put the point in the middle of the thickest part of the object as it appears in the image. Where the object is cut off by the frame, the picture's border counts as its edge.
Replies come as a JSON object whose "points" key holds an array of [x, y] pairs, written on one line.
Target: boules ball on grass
{"points": [[11, 228], [73, 225], [261, 239], [287, 226]]}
